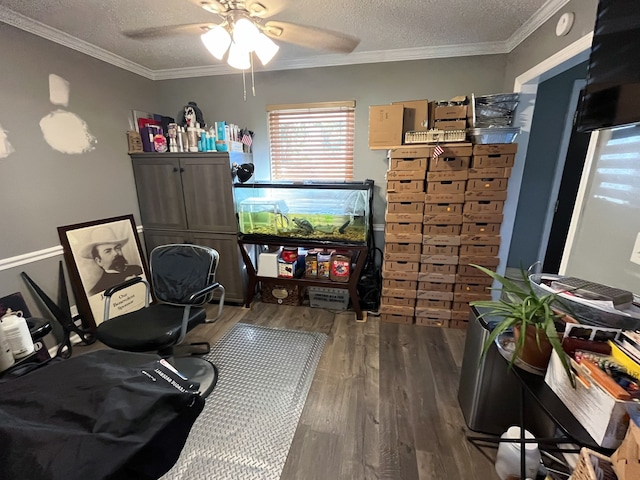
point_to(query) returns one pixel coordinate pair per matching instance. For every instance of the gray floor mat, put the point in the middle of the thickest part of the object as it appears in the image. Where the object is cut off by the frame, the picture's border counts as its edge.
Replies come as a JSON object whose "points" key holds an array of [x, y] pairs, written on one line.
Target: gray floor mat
{"points": [[248, 422]]}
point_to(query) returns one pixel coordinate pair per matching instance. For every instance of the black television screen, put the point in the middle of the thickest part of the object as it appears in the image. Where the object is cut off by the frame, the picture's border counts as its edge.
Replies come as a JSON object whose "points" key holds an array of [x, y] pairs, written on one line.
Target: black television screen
{"points": [[612, 94]]}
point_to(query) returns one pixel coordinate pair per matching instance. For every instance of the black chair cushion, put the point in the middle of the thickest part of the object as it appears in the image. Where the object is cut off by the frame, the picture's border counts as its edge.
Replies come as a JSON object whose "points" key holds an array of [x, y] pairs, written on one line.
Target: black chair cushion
{"points": [[148, 329]]}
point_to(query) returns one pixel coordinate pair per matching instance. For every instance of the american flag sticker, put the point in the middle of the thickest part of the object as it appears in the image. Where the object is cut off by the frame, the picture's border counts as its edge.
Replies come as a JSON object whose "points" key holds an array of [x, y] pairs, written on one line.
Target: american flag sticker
{"points": [[437, 151]]}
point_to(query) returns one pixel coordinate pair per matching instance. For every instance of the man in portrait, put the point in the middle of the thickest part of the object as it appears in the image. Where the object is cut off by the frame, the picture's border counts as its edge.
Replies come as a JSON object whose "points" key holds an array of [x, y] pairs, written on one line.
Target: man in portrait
{"points": [[105, 249]]}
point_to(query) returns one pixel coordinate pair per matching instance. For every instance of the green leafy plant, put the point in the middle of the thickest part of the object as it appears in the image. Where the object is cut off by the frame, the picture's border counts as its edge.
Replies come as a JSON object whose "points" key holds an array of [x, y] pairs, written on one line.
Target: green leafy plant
{"points": [[523, 307]]}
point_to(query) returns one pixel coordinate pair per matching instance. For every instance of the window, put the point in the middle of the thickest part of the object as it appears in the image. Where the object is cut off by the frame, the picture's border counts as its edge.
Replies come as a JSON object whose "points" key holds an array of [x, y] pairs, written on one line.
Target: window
{"points": [[312, 141]]}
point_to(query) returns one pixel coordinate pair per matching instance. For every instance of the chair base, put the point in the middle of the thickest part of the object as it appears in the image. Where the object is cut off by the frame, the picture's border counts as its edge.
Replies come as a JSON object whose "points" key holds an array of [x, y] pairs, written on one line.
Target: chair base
{"points": [[199, 370]]}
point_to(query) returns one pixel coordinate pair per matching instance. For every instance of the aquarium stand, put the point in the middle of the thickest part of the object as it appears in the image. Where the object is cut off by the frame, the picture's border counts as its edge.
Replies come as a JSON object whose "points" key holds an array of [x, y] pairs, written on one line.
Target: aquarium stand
{"points": [[360, 250]]}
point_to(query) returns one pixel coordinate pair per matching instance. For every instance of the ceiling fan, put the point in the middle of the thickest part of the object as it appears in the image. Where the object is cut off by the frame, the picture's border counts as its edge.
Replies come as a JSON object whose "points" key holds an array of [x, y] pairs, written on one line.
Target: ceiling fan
{"points": [[244, 31]]}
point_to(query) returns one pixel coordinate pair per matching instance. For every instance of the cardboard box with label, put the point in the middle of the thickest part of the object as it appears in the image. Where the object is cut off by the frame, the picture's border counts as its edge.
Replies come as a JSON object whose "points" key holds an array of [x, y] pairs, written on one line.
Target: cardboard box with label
{"points": [[385, 126], [416, 115]]}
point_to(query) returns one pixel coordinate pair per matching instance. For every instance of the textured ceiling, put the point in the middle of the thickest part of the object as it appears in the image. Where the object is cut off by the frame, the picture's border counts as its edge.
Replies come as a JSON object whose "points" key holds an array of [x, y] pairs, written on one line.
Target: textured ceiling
{"points": [[388, 29]]}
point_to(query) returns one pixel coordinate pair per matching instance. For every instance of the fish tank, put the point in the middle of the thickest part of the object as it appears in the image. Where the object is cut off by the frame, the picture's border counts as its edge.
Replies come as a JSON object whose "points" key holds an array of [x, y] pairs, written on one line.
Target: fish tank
{"points": [[316, 211]]}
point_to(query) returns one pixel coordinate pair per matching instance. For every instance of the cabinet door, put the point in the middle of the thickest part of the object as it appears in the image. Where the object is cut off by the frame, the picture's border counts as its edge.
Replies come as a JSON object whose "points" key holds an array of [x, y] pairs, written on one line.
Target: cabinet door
{"points": [[231, 270], [153, 238], [208, 194], [159, 189]]}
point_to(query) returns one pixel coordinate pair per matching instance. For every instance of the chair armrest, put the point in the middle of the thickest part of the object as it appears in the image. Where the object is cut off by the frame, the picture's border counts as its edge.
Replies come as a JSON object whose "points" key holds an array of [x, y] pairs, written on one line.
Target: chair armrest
{"points": [[121, 286], [204, 291]]}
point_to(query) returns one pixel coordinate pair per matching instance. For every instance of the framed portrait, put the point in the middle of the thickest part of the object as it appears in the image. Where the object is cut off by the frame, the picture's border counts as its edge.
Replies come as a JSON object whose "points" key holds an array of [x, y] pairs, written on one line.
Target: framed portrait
{"points": [[100, 255]]}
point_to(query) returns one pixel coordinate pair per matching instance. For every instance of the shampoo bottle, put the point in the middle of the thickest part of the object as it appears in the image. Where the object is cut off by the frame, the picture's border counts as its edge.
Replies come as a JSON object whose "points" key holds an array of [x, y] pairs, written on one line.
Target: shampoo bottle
{"points": [[16, 331]]}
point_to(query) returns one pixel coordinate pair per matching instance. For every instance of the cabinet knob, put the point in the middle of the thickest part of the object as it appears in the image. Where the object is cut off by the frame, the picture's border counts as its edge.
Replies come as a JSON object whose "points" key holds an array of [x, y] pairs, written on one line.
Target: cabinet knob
{"points": [[175, 169], [181, 169]]}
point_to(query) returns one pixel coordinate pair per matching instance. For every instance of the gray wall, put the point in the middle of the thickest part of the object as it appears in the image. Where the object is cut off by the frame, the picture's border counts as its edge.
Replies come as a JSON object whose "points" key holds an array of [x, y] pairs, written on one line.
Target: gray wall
{"points": [[42, 188], [547, 129]]}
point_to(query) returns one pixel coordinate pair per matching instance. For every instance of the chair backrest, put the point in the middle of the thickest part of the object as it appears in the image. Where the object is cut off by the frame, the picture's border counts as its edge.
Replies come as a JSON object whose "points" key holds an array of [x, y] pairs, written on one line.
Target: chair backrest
{"points": [[179, 270]]}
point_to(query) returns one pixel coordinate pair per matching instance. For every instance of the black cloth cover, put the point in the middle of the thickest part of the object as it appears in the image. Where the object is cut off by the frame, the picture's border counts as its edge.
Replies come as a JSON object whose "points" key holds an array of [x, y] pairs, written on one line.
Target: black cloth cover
{"points": [[103, 415]]}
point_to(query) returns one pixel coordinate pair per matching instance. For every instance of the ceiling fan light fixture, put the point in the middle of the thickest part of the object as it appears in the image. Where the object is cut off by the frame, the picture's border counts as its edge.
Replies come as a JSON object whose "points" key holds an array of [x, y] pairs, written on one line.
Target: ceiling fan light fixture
{"points": [[265, 49], [245, 34], [217, 41], [238, 57]]}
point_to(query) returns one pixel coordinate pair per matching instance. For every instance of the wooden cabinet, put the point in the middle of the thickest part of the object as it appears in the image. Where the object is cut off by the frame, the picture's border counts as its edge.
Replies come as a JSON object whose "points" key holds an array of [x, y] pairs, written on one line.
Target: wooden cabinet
{"points": [[188, 197]]}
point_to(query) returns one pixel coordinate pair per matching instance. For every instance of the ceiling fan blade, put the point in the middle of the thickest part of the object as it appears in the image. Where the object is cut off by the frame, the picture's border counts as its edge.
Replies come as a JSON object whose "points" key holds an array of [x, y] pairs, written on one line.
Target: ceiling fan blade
{"points": [[212, 6], [311, 37], [169, 30]]}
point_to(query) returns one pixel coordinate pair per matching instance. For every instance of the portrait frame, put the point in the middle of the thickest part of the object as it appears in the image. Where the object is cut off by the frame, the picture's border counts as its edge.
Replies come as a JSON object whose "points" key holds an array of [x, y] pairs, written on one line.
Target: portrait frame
{"points": [[91, 275]]}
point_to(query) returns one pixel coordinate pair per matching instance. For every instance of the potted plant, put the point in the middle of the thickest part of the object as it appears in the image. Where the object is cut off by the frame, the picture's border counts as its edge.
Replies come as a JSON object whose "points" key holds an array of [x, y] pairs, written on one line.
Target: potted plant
{"points": [[532, 319]]}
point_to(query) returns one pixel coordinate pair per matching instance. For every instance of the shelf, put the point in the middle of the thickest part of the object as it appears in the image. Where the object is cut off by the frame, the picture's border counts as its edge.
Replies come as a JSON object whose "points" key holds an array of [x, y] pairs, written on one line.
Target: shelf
{"points": [[306, 281]]}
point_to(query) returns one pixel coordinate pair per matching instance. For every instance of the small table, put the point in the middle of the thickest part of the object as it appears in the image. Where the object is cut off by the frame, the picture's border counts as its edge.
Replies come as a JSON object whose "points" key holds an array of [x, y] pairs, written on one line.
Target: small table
{"points": [[359, 250]]}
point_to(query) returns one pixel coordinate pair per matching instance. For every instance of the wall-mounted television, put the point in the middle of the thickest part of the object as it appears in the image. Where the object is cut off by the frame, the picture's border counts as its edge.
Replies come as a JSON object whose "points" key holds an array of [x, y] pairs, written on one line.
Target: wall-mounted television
{"points": [[612, 94]]}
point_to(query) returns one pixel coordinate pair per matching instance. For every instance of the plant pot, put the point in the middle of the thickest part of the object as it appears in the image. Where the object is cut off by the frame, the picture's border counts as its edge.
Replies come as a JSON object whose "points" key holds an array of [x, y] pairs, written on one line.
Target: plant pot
{"points": [[531, 354]]}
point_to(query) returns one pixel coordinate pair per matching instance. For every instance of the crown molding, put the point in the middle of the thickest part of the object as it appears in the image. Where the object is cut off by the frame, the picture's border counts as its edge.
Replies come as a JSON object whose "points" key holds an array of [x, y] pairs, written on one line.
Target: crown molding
{"points": [[420, 53], [544, 13], [37, 28], [382, 56]]}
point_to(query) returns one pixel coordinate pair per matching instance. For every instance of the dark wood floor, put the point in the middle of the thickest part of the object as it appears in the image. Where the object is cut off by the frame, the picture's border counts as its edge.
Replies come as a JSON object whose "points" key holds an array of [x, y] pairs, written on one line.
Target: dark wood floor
{"points": [[383, 403]]}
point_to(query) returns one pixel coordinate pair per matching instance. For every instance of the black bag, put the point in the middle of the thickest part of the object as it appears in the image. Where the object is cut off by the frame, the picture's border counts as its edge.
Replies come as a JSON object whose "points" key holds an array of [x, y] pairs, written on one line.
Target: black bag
{"points": [[103, 415]]}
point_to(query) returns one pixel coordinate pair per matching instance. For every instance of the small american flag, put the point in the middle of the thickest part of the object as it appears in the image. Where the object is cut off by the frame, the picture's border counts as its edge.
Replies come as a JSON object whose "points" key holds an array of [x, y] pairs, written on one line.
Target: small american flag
{"points": [[437, 151]]}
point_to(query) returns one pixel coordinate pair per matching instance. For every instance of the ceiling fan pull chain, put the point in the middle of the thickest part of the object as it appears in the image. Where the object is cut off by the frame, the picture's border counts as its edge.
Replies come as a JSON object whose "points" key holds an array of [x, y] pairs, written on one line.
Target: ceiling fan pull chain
{"points": [[244, 86], [253, 82]]}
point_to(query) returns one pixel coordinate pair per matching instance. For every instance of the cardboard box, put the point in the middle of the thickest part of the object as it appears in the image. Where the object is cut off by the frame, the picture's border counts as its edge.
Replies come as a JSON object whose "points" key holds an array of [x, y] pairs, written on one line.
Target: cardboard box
{"points": [[405, 186], [604, 417], [410, 248], [479, 250], [469, 271], [443, 163], [440, 240], [429, 303], [409, 164], [436, 278], [458, 149], [411, 151], [626, 459], [470, 296], [471, 288], [404, 284], [406, 207], [405, 197], [493, 148], [441, 219], [404, 217], [500, 195], [398, 292], [432, 322], [457, 322], [483, 184], [443, 208], [479, 239], [440, 250], [385, 126], [447, 113], [447, 175], [398, 301], [480, 228], [397, 310], [484, 206], [450, 124], [393, 318], [434, 295], [446, 186], [444, 198], [445, 269], [440, 259], [402, 237], [406, 174], [401, 257], [416, 114], [494, 172], [403, 227], [495, 160], [439, 313], [482, 261], [477, 279], [482, 217], [461, 307], [435, 286], [401, 265], [442, 229], [399, 275]]}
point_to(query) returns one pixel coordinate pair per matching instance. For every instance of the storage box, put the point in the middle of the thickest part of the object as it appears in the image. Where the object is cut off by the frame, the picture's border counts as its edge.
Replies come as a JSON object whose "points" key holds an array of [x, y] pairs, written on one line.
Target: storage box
{"points": [[406, 174], [435, 287], [492, 172], [467, 239], [398, 292], [443, 268], [493, 160], [401, 266], [333, 298], [443, 208], [440, 240], [397, 310], [385, 126], [447, 175], [436, 278], [444, 198], [405, 186], [401, 257], [405, 284], [410, 248], [483, 184], [395, 217], [446, 186], [441, 219], [398, 301], [479, 250], [405, 207], [434, 295], [443, 163], [603, 417], [440, 250], [483, 228], [484, 206], [281, 293], [409, 164], [499, 148], [477, 279], [482, 217], [392, 318], [432, 322], [399, 274], [448, 113], [403, 227], [499, 195], [442, 229], [439, 259], [482, 261], [416, 114], [393, 237], [450, 124], [395, 197], [440, 313]]}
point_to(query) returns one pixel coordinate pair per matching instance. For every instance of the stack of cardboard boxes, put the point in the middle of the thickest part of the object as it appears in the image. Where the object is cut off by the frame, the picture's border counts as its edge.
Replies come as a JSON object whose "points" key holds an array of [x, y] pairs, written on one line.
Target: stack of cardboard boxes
{"points": [[443, 215]]}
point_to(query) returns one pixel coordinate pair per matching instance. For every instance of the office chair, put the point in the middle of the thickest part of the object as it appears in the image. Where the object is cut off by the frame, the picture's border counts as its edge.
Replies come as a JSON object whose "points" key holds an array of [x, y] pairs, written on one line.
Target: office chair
{"points": [[183, 279]]}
